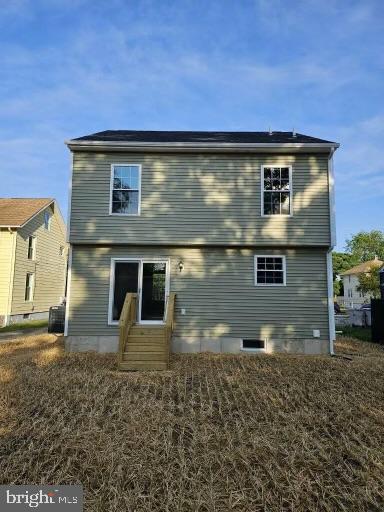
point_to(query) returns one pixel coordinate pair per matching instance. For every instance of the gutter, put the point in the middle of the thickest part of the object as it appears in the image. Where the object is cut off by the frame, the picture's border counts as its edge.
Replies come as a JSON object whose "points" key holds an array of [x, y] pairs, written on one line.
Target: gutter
{"points": [[332, 229], [93, 145]]}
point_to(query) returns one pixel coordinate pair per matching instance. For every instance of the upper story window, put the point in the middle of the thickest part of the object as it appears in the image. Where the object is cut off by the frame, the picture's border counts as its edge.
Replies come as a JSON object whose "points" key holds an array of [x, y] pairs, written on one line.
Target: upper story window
{"points": [[270, 271], [47, 220], [125, 189], [32, 248], [276, 190]]}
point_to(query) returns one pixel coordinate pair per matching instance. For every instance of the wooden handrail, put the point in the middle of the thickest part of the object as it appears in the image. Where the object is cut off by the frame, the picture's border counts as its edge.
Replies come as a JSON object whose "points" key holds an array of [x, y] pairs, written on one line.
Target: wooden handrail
{"points": [[169, 320], [127, 318]]}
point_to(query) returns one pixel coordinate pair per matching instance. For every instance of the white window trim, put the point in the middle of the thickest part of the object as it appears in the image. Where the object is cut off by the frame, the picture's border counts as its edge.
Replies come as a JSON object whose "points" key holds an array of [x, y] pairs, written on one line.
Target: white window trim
{"points": [[34, 242], [111, 190], [140, 261], [254, 349], [32, 287], [278, 215], [270, 256]]}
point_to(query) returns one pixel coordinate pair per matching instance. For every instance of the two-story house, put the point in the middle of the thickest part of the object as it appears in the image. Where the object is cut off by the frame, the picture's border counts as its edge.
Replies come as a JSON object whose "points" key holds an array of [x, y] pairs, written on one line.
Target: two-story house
{"points": [[33, 258], [239, 225]]}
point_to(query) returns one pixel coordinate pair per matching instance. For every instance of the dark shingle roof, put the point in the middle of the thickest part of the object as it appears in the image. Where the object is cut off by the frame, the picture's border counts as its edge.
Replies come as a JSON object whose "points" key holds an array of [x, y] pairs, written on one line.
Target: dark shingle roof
{"points": [[202, 137]]}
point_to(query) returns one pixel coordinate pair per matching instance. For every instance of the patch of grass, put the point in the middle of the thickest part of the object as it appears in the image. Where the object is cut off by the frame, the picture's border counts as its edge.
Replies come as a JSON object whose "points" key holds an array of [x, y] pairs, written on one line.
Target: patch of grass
{"points": [[32, 324], [215, 433], [360, 333]]}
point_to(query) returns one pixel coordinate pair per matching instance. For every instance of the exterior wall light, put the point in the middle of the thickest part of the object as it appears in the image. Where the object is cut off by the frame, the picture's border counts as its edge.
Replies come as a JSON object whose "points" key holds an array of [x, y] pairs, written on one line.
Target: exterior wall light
{"points": [[181, 265]]}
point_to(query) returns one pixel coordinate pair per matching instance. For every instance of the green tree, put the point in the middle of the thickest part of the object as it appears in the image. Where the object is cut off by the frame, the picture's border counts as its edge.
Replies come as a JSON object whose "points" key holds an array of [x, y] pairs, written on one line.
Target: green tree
{"points": [[369, 282], [365, 245]]}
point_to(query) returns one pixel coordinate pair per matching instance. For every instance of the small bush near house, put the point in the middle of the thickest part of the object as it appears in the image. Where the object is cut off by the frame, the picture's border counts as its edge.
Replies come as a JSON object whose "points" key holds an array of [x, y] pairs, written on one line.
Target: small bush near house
{"points": [[215, 433]]}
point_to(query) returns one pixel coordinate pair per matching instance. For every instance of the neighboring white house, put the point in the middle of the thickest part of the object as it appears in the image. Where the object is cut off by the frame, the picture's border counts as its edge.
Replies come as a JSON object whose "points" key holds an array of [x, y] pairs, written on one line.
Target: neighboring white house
{"points": [[352, 297]]}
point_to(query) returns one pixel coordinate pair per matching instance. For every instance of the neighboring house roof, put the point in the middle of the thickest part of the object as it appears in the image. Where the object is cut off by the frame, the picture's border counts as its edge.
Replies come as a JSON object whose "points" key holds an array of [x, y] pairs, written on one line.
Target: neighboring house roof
{"points": [[363, 267], [202, 137], [15, 212]]}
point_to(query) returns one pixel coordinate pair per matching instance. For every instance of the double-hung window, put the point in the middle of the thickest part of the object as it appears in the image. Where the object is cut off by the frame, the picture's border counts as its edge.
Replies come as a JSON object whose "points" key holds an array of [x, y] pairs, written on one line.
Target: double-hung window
{"points": [[32, 248], [276, 190], [125, 189], [270, 271], [29, 286]]}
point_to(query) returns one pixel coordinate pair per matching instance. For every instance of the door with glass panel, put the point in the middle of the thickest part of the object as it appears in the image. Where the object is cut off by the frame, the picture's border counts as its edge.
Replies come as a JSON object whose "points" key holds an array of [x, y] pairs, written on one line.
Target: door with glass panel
{"points": [[149, 280], [153, 291]]}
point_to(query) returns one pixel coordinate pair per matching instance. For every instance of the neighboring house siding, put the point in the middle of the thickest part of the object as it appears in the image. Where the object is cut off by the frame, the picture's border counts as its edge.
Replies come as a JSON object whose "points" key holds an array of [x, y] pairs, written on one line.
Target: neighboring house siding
{"points": [[351, 295], [7, 251], [49, 267], [217, 290], [190, 199]]}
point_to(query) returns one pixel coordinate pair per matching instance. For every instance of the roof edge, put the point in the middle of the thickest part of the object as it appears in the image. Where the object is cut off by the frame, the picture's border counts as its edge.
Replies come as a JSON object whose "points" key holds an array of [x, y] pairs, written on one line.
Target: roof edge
{"points": [[82, 145]]}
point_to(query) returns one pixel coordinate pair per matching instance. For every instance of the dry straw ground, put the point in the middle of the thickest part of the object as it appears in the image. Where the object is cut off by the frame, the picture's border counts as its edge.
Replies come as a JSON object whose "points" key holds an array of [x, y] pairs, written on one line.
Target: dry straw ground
{"points": [[216, 433]]}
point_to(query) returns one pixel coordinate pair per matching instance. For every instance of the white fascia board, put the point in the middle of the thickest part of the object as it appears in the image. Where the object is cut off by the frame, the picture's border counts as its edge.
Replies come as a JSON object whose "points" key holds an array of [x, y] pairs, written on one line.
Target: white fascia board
{"points": [[75, 145]]}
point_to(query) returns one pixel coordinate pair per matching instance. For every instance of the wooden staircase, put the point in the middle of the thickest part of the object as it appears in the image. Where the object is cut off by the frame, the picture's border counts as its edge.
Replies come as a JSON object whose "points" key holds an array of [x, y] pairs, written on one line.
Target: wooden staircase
{"points": [[144, 347]]}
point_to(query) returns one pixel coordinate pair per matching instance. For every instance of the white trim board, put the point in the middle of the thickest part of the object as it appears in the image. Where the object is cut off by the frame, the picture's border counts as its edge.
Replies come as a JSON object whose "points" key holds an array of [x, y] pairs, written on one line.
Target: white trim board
{"points": [[68, 297]]}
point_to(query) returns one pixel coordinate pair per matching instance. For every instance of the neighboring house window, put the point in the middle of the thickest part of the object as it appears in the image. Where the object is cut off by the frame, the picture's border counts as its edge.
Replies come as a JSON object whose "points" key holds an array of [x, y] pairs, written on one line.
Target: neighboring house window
{"points": [[276, 190], [32, 248], [125, 189], [270, 271], [47, 220], [29, 287], [61, 250]]}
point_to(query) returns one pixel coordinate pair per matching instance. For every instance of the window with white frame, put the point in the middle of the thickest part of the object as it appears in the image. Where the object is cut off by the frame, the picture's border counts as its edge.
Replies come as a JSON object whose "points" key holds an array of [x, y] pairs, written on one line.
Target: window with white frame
{"points": [[276, 190], [47, 220], [270, 271], [125, 189], [32, 248], [29, 286]]}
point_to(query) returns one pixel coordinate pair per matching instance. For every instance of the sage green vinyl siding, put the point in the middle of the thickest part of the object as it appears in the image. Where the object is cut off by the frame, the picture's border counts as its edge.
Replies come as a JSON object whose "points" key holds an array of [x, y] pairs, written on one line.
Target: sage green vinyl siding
{"points": [[191, 199], [217, 290], [49, 266]]}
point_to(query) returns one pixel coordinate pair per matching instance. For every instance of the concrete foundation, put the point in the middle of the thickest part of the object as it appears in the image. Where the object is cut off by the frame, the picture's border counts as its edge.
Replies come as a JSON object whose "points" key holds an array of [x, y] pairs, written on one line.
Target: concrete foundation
{"points": [[101, 344], [224, 345], [19, 319]]}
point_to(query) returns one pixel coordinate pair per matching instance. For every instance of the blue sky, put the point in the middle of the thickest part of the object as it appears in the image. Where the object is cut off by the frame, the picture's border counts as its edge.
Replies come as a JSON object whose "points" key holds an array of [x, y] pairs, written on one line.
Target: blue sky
{"points": [[73, 67]]}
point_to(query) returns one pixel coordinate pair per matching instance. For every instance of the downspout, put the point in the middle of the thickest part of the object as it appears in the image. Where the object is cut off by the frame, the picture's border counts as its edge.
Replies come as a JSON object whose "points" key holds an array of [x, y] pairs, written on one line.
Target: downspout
{"points": [[332, 227]]}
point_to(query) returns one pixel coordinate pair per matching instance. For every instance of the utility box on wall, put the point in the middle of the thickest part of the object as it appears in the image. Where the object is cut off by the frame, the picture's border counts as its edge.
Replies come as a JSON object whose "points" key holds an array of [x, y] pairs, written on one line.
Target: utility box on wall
{"points": [[377, 310]]}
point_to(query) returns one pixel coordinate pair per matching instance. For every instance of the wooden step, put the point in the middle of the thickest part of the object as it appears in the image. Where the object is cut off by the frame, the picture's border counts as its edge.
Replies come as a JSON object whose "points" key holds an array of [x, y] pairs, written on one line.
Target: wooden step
{"points": [[145, 356], [143, 365], [146, 347], [139, 330], [146, 340]]}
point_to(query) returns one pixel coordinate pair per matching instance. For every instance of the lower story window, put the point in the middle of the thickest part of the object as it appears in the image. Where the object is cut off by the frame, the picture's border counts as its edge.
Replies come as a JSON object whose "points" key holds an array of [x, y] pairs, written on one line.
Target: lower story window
{"points": [[253, 344], [270, 271], [29, 286]]}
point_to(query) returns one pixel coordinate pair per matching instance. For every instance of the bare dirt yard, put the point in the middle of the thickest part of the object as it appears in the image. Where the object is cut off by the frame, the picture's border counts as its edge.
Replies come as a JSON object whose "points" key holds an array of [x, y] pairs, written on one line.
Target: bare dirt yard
{"points": [[215, 433]]}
